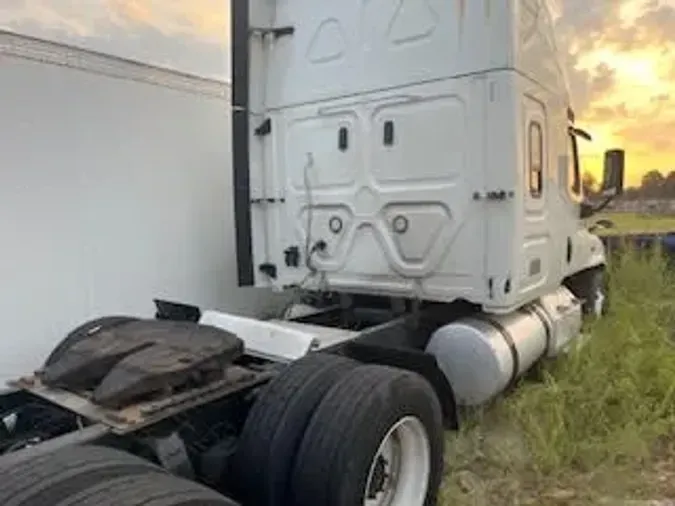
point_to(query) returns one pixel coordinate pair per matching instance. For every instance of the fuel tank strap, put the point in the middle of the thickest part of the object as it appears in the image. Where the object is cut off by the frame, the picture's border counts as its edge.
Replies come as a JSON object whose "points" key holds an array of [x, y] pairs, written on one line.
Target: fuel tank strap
{"points": [[508, 339], [539, 312]]}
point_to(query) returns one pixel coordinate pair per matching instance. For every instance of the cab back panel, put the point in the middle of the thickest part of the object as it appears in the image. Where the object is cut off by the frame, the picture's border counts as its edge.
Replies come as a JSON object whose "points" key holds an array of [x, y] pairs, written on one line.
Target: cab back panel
{"points": [[348, 47], [377, 130], [386, 183]]}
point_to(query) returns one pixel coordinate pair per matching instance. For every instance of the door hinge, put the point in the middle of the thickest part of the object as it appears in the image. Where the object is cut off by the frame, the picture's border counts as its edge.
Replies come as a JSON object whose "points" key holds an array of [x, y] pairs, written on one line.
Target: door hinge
{"points": [[265, 128], [276, 31]]}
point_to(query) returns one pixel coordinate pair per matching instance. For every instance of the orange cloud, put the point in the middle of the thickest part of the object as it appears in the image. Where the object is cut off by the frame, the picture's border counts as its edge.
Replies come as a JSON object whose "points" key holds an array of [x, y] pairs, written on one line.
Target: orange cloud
{"points": [[201, 18], [207, 20], [78, 20], [623, 58], [188, 35]]}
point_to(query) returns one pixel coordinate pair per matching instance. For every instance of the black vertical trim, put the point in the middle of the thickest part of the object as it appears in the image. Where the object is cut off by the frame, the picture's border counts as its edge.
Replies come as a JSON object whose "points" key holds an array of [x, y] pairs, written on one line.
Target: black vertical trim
{"points": [[343, 139], [388, 133], [239, 15]]}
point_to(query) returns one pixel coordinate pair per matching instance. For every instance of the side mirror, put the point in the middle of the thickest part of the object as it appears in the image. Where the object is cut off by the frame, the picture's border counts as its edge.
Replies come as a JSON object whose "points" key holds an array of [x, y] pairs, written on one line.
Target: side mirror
{"points": [[602, 224], [605, 223], [613, 177]]}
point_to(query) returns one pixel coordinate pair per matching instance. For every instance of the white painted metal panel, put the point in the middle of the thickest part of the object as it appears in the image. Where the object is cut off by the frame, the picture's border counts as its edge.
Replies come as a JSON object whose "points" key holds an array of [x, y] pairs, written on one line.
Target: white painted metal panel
{"points": [[115, 187], [351, 47], [396, 217], [396, 157]]}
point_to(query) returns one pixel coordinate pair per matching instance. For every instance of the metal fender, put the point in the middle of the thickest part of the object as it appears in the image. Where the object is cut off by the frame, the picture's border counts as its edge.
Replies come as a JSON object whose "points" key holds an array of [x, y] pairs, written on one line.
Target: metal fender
{"points": [[590, 251]]}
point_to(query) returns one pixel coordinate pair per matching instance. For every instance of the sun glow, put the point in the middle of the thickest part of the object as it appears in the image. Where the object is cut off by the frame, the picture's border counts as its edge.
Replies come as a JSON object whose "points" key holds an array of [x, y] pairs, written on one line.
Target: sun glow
{"points": [[634, 110]]}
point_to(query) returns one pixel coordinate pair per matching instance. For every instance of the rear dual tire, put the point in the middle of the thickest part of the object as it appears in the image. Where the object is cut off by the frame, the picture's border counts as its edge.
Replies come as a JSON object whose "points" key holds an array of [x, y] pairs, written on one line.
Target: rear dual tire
{"points": [[276, 423], [332, 432], [375, 440], [146, 490], [98, 476]]}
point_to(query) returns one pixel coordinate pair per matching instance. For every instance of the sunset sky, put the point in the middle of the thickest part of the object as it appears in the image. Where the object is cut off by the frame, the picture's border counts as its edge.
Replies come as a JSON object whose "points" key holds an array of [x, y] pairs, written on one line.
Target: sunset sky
{"points": [[620, 57]]}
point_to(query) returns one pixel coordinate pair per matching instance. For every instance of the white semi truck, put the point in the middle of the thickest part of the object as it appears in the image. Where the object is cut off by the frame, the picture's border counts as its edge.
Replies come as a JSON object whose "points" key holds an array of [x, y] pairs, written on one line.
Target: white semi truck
{"points": [[409, 172]]}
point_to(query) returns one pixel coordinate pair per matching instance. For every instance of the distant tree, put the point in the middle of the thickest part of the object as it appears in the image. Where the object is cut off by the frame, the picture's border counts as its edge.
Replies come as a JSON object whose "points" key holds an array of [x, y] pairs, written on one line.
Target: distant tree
{"points": [[653, 183], [669, 186], [589, 184], [632, 193]]}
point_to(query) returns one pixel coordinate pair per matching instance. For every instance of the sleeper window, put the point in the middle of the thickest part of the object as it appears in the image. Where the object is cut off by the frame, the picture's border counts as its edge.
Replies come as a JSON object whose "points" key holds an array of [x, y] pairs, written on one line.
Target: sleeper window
{"points": [[536, 159]]}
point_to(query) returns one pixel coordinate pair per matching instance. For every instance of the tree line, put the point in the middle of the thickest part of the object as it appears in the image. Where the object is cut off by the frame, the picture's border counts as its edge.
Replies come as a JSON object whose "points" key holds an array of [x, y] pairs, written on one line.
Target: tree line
{"points": [[654, 185]]}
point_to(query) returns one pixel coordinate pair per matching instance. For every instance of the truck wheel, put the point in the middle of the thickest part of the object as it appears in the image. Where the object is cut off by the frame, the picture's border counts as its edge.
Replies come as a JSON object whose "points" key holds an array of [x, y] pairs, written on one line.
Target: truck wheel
{"points": [[276, 423], [44, 480], [4, 431], [84, 331], [375, 439], [591, 287], [597, 301], [146, 489]]}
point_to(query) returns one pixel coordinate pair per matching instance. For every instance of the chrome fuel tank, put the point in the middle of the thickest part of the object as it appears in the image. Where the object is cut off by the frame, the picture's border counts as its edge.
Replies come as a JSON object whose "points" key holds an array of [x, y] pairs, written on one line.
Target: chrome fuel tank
{"points": [[484, 354]]}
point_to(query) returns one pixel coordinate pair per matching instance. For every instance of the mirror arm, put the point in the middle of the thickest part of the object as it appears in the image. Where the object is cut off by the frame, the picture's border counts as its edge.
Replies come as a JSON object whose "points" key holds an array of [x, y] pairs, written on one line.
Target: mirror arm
{"points": [[587, 210], [578, 132]]}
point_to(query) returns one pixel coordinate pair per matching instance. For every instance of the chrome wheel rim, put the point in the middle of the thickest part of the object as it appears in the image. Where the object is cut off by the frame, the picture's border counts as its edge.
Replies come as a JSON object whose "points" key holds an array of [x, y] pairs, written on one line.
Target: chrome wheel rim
{"points": [[399, 472]]}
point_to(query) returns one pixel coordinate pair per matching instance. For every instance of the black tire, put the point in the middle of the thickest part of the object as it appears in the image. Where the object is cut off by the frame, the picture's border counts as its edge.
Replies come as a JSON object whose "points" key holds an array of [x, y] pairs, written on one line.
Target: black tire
{"points": [[4, 431], [44, 480], [146, 490], [84, 331], [598, 287], [590, 286], [276, 423], [344, 435]]}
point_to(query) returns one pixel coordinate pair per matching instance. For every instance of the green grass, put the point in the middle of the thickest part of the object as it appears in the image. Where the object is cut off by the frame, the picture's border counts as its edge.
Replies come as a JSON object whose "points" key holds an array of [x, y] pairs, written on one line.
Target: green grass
{"points": [[595, 423], [626, 223]]}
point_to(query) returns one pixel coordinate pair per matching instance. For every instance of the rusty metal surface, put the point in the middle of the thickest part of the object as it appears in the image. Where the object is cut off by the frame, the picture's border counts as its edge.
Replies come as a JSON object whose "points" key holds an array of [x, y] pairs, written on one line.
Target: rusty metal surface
{"points": [[143, 414], [142, 359], [137, 374]]}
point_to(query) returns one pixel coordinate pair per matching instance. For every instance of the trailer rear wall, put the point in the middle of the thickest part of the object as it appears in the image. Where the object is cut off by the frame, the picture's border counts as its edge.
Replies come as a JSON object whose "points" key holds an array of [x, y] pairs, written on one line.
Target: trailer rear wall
{"points": [[115, 187]]}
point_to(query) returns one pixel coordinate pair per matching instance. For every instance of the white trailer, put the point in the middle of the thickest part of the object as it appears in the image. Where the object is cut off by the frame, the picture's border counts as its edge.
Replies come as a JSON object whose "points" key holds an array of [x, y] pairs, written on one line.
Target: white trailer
{"points": [[115, 188], [409, 174]]}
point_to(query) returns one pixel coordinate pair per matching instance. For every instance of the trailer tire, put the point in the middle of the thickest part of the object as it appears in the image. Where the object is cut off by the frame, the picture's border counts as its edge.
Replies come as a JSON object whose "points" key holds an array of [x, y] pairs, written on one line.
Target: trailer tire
{"points": [[344, 450], [44, 480], [84, 331], [276, 423], [146, 489]]}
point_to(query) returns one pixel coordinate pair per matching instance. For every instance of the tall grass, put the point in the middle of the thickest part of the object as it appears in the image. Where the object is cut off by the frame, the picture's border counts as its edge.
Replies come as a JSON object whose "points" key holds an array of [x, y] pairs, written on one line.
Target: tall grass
{"points": [[633, 223], [588, 426], [609, 401]]}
